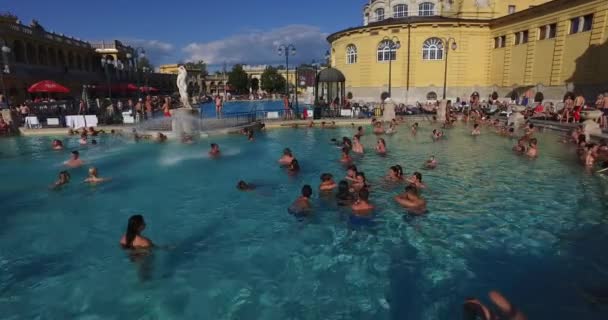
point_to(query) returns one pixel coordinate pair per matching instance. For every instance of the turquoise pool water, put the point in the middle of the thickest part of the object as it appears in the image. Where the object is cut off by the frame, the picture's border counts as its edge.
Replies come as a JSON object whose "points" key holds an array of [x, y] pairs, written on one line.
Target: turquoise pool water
{"points": [[535, 230], [244, 107]]}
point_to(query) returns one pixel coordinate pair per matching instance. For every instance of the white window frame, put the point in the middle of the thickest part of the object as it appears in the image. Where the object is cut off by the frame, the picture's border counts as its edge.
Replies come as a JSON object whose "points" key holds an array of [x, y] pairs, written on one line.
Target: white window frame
{"points": [[512, 9], [384, 52], [426, 9], [400, 10], [377, 15], [351, 54], [433, 49]]}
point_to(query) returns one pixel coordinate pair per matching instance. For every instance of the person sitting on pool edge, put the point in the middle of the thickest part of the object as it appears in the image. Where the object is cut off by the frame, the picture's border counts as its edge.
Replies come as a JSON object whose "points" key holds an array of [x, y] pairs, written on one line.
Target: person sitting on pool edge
{"points": [[294, 167], [532, 151], [75, 160], [302, 206], [133, 239], [362, 207], [215, 150], [93, 177], [244, 186], [64, 178], [327, 182], [57, 145], [381, 146], [476, 130], [344, 197], [411, 200], [431, 163], [346, 156]]}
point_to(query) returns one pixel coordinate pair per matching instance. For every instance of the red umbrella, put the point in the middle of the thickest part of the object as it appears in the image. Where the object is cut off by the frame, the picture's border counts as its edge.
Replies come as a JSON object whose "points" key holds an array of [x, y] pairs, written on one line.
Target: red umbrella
{"points": [[48, 86], [148, 89]]}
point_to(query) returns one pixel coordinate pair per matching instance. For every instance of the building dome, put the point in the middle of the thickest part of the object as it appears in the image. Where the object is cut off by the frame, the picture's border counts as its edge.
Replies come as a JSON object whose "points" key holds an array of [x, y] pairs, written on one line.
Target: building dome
{"points": [[331, 75]]}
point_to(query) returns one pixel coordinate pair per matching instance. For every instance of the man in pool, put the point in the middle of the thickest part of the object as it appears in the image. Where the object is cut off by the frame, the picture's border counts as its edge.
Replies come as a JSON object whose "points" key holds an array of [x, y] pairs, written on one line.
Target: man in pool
{"points": [[57, 145], [294, 167], [533, 148], [476, 130], [411, 200], [520, 147], [346, 156], [362, 207], [473, 309], [302, 205], [431, 163], [344, 197], [351, 173], [415, 128], [244, 186], [93, 177], [64, 178], [286, 158], [215, 150], [75, 160], [327, 182], [416, 181]]}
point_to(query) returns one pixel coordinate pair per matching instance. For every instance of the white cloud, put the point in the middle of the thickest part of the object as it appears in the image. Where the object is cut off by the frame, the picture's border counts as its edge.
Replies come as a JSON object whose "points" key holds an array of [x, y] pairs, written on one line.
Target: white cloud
{"points": [[157, 51], [260, 47]]}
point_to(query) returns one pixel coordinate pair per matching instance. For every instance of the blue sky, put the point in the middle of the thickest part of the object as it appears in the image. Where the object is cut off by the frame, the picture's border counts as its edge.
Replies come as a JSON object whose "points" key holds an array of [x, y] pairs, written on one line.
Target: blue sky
{"points": [[237, 31]]}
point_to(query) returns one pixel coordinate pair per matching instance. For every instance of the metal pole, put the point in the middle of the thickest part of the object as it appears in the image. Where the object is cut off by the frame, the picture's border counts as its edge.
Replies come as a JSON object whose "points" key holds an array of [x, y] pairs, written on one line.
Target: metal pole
{"points": [[108, 81], [390, 67], [445, 73], [296, 94], [287, 71]]}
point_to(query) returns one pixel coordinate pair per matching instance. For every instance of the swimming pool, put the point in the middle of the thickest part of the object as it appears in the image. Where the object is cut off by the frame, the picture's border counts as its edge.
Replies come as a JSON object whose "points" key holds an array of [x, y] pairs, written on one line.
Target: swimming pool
{"points": [[234, 107], [535, 230]]}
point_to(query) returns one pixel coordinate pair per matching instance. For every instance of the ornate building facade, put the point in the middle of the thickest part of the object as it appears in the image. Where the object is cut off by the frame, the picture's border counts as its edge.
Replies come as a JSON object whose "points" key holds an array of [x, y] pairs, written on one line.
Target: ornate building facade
{"points": [[507, 46], [37, 54]]}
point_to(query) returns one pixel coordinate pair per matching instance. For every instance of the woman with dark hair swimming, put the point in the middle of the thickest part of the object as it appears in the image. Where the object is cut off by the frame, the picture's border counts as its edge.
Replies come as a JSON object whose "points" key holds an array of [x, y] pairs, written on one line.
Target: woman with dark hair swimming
{"points": [[395, 173], [346, 156], [381, 146], [133, 239]]}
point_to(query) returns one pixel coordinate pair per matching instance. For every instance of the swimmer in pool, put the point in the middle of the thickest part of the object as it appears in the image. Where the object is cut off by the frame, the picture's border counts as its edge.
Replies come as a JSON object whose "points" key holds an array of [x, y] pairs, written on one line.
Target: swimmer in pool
{"points": [[416, 180], [346, 143], [302, 205], [476, 130], [357, 146], [133, 239], [473, 309], [532, 151], [186, 139], [362, 207], [346, 156], [344, 197], [286, 158], [520, 147], [411, 200], [431, 163], [250, 136], [215, 150], [311, 124], [378, 128], [327, 182], [391, 128], [359, 183], [57, 145], [395, 174], [381, 146], [437, 134], [360, 132], [75, 160], [94, 176], [415, 128], [294, 167], [351, 173], [244, 186], [160, 137], [591, 155], [64, 178], [83, 139]]}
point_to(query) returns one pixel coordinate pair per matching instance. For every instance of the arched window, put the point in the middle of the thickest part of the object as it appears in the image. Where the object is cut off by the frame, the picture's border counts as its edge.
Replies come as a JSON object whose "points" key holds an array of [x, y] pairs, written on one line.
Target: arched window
{"points": [[387, 50], [426, 9], [431, 96], [379, 14], [400, 11], [432, 49], [351, 54]]}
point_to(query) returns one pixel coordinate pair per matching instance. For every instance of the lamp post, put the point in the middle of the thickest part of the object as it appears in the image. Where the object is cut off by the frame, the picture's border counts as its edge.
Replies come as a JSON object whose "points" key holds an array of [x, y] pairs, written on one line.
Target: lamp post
{"points": [[140, 53], [145, 70], [447, 47], [393, 45], [119, 65], [5, 69], [105, 63], [287, 50]]}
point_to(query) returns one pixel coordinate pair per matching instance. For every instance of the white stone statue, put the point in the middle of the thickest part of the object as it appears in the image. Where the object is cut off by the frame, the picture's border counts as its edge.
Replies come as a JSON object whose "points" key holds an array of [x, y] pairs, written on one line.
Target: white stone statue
{"points": [[389, 110], [182, 86]]}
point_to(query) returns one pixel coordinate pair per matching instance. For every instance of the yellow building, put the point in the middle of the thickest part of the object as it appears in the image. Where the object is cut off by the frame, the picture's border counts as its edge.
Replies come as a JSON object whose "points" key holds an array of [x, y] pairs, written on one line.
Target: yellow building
{"points": [[507, 46]]}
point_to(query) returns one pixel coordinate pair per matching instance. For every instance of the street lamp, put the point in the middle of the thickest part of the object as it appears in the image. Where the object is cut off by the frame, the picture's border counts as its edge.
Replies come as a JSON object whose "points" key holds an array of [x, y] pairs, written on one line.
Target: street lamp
{"points": [[5, 69], [447, 47], [105, 63], [393, 45], [140, 53], [287, 50]]}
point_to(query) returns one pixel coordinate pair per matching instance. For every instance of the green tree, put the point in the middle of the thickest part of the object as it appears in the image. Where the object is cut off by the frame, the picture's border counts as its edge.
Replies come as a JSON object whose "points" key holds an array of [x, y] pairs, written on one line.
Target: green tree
{"points": [[238, 79], [272, 81], [145, 62], [197, 65]]}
